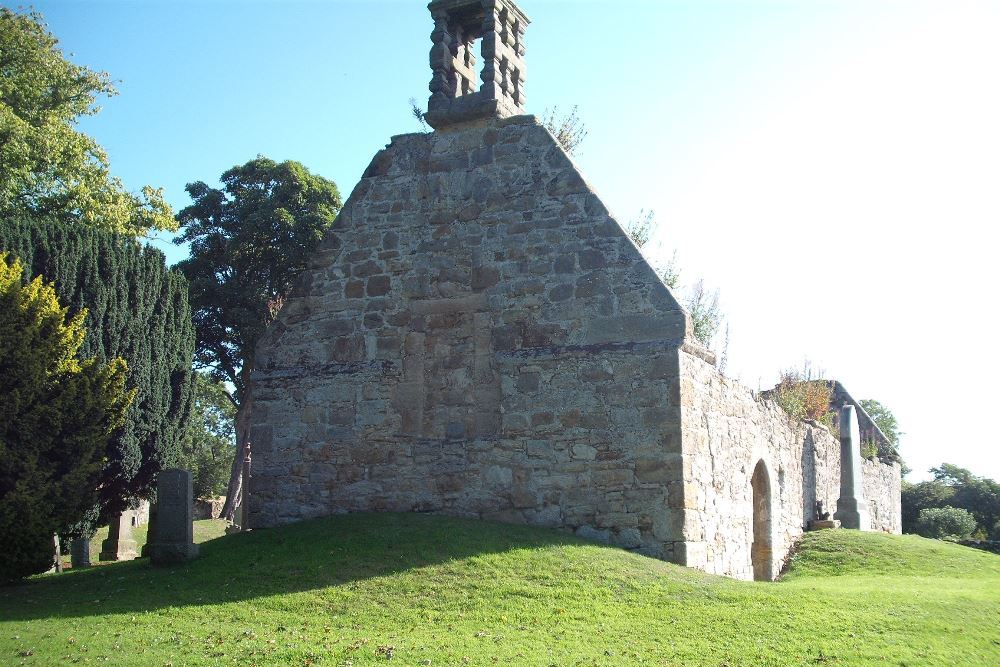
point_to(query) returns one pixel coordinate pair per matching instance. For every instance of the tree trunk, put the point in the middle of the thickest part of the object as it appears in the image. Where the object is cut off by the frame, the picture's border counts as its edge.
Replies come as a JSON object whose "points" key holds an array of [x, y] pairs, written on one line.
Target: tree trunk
{"points": [[235, 488]]}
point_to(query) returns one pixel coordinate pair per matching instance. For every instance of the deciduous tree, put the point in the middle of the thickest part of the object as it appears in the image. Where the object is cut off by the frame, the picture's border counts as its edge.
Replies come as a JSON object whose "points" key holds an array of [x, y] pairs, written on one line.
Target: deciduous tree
{"points": [[211, 442], [49, 166], [249, 240]]}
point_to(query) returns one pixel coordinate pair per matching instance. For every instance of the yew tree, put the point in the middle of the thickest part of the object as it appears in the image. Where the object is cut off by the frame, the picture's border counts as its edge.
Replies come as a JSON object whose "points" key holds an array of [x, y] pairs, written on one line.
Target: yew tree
{"points": [[136, 308], [57, 414], [248, 240]]}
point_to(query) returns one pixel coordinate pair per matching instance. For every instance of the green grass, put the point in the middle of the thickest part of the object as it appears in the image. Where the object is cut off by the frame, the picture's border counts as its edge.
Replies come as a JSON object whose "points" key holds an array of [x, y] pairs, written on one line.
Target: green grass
{"points": [[418, 590], [203, 531]]}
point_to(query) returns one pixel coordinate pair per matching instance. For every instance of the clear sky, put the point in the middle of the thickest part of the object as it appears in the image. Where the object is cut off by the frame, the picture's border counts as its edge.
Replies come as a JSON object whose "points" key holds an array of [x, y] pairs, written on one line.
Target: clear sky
{"points": [[833, 167]]}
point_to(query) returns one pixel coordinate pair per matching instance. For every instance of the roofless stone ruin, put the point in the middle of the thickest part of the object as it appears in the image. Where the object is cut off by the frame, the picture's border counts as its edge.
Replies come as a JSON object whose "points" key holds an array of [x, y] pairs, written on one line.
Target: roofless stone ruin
{"points": [[477, 336]]}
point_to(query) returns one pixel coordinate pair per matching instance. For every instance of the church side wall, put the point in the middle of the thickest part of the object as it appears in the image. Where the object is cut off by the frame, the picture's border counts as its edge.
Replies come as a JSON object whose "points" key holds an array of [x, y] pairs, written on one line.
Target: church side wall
{"points": [[476, 337], [726, 431]]}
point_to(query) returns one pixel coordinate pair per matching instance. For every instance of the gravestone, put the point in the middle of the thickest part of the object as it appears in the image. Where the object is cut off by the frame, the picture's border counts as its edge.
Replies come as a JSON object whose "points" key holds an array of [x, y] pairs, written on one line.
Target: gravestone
{"points": [[57, 565], [150, 530], [852, 510], [174, 539], [119, 545], [79, 551]]}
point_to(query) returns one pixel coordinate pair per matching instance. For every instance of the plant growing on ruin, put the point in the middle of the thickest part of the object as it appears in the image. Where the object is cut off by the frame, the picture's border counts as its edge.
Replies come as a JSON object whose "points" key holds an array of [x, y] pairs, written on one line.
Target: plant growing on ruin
{"points": [[568, 129], [869, 449], [57, 414], [803, 397]]}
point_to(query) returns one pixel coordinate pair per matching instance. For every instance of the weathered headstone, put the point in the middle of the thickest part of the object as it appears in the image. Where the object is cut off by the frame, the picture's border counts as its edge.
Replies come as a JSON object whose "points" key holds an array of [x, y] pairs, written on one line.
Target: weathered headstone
{"points": [[56, 556], [852, 510], [174, 539], [79, 552], [119, 545]]}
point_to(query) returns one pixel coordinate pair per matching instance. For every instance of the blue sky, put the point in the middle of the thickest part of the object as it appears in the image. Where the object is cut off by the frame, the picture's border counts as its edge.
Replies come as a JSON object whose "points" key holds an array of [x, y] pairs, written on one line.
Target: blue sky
{"points": [[830, 166]]}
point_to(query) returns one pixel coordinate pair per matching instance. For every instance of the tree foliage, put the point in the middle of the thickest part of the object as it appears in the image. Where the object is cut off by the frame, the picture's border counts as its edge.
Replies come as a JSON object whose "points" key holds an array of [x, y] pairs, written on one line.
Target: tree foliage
{"points": [[884, 419], [208, 450], [136, 309], [248, 242], [49, 167], [945, 522], [953, 486], [57, 414]]}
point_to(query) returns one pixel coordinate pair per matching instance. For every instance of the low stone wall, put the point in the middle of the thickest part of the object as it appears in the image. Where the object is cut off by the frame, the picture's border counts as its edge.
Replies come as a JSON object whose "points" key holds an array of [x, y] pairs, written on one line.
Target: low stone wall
{"points": [[727, 431], [208, 508]]}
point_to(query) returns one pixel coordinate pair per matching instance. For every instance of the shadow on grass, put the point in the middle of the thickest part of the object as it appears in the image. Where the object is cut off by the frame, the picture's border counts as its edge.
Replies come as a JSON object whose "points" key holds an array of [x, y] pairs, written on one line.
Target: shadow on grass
{"points": [[299, 557]]}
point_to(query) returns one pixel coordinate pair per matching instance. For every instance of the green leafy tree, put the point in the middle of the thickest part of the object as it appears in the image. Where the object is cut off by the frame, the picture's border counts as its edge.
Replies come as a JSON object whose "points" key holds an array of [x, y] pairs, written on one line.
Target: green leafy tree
{"points": [[49, 167], [248, 242], [211, 442], [57, 414], [137, 309], [979, 495], [886, 422], [945, 522], [953, 486]]}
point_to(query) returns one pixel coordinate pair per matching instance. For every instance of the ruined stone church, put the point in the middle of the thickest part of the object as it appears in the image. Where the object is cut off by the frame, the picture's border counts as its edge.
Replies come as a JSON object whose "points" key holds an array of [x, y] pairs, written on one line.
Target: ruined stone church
{"points": [[477, 336]]}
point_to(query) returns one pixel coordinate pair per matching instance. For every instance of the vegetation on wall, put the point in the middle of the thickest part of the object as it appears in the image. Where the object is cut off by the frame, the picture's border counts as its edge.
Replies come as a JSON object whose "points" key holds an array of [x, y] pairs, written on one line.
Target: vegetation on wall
{"points": [[804, 396], [49, 167], [57, 415], [137, 309], [701, 303]]}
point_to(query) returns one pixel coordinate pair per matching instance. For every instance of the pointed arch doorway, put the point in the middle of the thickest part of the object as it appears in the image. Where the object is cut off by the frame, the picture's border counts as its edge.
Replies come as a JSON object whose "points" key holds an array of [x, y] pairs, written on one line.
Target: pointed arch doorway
{"points": [[761, 548]]}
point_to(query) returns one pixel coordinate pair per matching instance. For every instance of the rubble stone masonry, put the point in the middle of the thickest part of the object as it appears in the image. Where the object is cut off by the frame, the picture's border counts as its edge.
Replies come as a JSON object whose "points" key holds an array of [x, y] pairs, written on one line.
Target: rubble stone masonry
{"points": [[477, 336]]}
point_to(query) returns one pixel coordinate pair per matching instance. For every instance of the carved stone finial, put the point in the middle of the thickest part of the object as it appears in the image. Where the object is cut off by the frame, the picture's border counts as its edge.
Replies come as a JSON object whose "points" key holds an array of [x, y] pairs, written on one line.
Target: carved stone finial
{"points": [[458, 24]]}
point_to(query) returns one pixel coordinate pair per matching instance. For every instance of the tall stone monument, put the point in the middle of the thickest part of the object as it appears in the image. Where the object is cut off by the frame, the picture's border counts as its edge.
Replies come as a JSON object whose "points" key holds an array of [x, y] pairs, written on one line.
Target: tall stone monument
{"points": [[174, 538], [119, 545], [852, 510]]}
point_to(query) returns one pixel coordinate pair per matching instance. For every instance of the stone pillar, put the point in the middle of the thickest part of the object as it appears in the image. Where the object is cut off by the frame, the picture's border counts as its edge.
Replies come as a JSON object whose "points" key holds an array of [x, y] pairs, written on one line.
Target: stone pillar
{"points": [[57, 565], [852, 510], [119, 545], [150, 530], [174, 514], [79, 551]]}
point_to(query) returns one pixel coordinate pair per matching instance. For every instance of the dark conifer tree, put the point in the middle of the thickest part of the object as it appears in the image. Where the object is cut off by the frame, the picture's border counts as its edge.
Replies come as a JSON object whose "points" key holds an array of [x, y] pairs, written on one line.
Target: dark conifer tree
{"points": [[137, 309]]}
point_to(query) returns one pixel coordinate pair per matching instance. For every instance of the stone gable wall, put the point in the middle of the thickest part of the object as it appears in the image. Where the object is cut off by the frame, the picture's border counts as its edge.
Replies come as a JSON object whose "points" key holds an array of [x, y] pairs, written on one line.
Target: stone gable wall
{"points": [[727, 429], [475, 336]]}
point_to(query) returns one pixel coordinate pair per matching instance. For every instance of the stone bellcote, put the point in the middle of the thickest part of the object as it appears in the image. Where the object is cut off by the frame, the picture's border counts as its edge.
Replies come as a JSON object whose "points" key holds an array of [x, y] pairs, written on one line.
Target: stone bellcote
{"points": [[456, 93]]}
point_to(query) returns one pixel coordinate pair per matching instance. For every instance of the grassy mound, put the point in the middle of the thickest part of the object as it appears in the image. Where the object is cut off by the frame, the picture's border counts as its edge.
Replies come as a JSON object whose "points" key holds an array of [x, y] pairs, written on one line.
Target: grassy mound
{"points": [[417, 589]]}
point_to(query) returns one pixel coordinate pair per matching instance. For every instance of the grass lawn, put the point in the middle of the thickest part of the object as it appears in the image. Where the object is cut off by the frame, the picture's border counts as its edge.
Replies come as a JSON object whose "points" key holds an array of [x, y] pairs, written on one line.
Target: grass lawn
{"points": [[203, 531], [426, 590]]}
